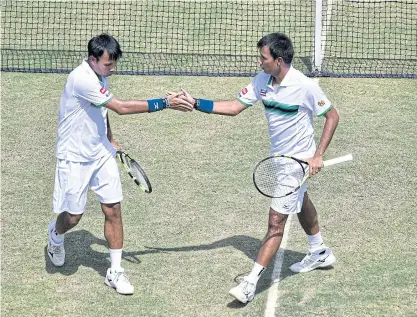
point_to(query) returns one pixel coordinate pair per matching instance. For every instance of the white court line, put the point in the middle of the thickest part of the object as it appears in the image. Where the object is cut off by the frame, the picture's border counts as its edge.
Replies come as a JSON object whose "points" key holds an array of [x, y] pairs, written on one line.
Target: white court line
{"points": [[272, 300]]}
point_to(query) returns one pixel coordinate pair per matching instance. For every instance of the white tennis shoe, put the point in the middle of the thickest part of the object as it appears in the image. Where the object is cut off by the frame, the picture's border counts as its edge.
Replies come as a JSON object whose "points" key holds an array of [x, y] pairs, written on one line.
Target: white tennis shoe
{"points": [[244, 292], [119, 281], [318, 259], [56, 251]]}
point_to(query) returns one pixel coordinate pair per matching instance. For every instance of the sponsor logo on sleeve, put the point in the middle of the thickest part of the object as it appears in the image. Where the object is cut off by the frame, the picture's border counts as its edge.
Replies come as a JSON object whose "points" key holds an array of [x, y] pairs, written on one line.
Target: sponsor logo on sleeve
{"points": [[244, 91], [263, 92], [321, 103], [104, 91]]}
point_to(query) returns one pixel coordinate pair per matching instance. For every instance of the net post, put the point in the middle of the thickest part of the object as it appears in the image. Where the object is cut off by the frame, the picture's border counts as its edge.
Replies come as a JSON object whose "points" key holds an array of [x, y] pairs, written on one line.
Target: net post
{"points": [[318, 25]]}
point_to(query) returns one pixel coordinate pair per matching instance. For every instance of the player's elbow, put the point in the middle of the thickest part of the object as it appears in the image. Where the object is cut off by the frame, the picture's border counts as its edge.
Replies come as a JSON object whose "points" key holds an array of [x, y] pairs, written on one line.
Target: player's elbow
{"points": [[118, 106], [123, 111], [234, 112], [120, 109], [236, 108]]}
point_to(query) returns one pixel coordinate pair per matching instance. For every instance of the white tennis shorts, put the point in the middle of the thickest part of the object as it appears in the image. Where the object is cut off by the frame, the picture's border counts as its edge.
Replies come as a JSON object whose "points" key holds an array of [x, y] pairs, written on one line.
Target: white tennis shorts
{"points": [[72, 180], [290, 204]]}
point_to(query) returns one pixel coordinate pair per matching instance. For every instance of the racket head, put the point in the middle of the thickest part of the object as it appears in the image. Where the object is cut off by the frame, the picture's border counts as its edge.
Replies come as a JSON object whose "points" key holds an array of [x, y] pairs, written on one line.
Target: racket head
{"points": [[139, 176], [278, 176], [135, 171]]}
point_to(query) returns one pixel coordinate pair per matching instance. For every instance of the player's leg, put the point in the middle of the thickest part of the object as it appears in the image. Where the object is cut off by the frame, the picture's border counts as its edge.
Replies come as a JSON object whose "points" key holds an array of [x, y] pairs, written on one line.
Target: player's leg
{"points": [[278, 215], [308, 217], [106, 184], [113, 226], [66, 221], [318, 254], [113, 232], [272, 240], [69, 199], [245, 291]]}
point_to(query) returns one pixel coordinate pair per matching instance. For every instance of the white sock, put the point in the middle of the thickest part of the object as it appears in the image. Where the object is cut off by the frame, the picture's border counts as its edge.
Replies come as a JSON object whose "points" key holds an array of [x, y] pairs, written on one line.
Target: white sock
{"points": [[115, 259], [315, 242], [256, 273], [56, 237]]}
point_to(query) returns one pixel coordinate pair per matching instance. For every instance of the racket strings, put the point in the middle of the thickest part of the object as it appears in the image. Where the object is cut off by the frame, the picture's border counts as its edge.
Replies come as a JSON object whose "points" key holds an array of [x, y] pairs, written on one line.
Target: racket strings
{"points": [[135, 171], [279, 176], [139, 175]]}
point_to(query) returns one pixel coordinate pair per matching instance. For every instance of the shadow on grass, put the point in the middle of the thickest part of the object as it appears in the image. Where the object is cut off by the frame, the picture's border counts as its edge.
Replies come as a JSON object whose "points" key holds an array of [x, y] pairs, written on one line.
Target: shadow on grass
{"points": [[249, 246], [79, 252]]}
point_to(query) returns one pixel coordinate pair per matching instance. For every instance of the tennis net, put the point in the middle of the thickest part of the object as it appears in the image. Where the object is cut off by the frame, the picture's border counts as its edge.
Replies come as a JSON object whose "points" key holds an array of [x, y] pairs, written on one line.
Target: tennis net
{"points": [[347, 38]]}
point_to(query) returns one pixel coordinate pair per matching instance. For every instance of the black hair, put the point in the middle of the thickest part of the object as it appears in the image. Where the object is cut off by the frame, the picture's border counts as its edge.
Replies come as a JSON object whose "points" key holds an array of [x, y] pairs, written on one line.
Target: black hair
{"points": [[279, 45], [104, 42]]}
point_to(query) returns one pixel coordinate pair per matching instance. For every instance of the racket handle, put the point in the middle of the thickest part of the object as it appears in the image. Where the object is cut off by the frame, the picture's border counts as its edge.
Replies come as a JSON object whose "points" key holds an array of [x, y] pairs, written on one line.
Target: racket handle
{"points": [[338, 160]]}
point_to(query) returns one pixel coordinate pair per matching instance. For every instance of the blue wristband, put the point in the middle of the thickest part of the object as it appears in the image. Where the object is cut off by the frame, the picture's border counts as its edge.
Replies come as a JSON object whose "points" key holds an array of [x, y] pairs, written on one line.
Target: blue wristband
{"points": [[157, 104], [204, 105]]}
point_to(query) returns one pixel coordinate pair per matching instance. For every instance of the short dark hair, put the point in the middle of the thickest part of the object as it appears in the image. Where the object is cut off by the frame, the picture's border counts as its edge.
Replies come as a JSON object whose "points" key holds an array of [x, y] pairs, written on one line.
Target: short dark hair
{"points": [[279, 45], [104, 42]]}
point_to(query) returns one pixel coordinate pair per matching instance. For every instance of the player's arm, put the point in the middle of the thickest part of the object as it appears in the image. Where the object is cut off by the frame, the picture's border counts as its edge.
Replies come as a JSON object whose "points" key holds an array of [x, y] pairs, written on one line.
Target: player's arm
{"points": [[95, 93], [332, 120], [226, 107], [110, 135], [140, 106]]}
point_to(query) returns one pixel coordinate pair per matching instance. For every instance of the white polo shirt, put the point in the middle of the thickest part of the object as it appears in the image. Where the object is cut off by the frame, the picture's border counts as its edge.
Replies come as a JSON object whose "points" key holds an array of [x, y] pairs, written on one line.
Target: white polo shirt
{"points": [[82, 127], [289, 109]]}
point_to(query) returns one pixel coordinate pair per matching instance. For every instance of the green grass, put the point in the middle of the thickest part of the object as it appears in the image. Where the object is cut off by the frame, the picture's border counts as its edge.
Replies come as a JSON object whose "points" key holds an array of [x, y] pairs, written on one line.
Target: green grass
{"points": [[201, 227]]}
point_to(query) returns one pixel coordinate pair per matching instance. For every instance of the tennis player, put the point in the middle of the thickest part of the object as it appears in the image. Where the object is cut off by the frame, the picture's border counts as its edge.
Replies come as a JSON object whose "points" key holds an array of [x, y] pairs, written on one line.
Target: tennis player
{"points": [[290, 100], [86, 150]]}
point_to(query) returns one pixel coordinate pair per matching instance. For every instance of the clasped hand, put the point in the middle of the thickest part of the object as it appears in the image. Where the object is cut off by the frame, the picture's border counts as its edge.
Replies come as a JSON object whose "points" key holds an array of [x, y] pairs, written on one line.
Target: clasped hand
{"points": [[181, 100]]}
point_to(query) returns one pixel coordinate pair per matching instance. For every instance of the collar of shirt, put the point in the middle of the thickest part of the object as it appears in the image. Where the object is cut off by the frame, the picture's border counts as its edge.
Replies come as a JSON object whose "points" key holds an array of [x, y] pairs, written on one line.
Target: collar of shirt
{"points": [[285, 82], [90, 70]]}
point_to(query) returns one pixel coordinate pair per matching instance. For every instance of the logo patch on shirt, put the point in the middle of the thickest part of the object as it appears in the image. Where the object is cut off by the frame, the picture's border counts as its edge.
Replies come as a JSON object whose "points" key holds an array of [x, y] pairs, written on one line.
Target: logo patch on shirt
{"points": [[263, 92], [321, 103], [103, 90], [244, 91]]}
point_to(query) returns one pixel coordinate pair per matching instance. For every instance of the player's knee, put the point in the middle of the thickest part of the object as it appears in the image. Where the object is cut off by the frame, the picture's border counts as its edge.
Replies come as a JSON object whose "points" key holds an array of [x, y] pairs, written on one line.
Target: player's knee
{"points": [[276, 223], [72, 220], [275, 229], [112, 211]]}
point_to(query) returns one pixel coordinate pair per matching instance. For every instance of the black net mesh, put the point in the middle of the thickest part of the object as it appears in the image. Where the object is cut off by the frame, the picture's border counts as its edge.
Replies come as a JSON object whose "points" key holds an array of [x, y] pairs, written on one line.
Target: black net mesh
{"points": [[370, 38], [211, 37]]}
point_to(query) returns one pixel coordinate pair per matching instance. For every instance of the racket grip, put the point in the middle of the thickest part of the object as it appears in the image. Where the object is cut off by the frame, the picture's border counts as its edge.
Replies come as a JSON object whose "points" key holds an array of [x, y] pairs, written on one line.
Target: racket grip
{"points": [[338, 160]]}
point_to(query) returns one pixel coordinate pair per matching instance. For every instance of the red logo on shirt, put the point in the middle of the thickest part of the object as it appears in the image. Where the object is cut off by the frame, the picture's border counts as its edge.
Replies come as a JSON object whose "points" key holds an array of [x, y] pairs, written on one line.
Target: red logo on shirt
{"points": [[103, 90], [244, 91]]}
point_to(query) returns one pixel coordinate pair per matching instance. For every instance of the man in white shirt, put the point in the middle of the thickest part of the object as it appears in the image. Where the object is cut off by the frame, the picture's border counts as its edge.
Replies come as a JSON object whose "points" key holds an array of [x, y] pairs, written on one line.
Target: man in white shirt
{"points": [[290, 100], [86, 150]]}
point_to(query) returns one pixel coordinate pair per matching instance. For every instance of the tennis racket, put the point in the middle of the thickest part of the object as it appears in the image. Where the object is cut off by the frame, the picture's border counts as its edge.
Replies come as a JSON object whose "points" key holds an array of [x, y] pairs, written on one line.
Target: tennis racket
{"points": [[278, 176], [134, 171]]}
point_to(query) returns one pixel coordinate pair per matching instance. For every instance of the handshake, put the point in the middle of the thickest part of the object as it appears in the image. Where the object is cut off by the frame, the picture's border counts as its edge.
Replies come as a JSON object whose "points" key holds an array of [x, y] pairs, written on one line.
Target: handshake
{"points": [[183, 101]]}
